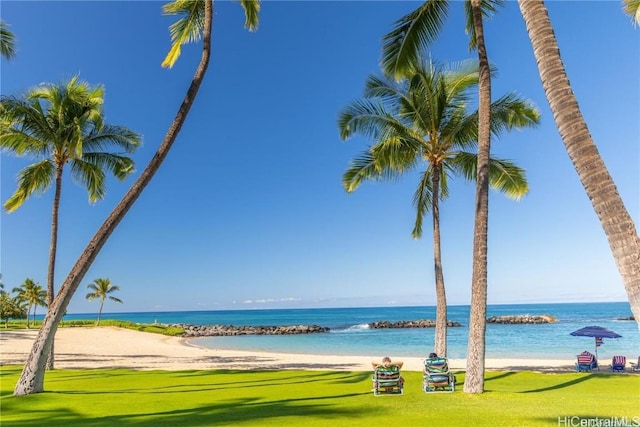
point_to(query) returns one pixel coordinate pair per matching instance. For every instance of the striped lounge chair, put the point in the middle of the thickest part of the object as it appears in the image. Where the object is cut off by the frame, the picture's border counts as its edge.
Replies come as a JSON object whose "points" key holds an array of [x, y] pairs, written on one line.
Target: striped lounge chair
{"points": [[387, 380], [618, 363], [437, 376], [635, 367], [586, 362]]}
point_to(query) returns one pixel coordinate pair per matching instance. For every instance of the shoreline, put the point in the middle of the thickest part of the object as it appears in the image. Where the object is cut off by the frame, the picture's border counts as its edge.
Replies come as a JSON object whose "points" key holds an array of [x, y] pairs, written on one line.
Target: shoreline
{"points": [[111, 347]]}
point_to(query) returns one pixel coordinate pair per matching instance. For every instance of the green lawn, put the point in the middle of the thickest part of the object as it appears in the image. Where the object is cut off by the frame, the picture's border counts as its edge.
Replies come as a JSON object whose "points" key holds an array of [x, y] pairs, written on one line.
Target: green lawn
{"points": [[121, 397]]}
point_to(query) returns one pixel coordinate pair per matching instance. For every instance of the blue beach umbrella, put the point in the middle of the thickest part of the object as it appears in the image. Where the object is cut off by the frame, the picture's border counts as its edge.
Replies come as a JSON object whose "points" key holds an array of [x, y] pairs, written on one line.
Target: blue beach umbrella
{"points": [[597, 332]]}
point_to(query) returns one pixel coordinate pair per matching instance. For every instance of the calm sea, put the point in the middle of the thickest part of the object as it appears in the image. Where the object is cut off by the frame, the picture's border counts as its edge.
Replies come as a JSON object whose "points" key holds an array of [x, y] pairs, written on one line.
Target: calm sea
{"points": [[350, 334]]}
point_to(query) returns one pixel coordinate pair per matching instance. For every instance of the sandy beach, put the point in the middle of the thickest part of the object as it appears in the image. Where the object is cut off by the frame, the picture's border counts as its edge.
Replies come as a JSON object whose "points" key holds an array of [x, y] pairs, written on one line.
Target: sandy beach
{"points": [[109, 347]]}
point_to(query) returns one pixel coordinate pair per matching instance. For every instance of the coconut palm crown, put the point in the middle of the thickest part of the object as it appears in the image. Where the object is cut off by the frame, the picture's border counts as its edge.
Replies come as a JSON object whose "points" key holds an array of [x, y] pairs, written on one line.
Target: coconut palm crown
{"points": [[423, 122]]}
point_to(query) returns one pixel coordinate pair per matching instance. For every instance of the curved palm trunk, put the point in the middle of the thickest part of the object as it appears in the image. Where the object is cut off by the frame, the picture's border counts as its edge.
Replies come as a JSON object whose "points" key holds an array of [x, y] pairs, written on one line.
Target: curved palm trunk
{"points": [[53, 246], [100, 312], [474, 379], [441, 297], [594, 176], [32, 378], [28, 312]]}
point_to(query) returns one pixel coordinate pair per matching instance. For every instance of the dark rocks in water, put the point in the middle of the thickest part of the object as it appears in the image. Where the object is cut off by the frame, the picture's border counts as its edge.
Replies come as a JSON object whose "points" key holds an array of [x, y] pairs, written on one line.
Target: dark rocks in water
{"points": [[230, 330], [522, 319], [626, 318], [385, 324]]}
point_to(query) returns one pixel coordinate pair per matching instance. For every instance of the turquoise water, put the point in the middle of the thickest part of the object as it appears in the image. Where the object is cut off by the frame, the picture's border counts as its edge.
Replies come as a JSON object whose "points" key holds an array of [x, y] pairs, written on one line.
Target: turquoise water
{"points": [[350, 335]]}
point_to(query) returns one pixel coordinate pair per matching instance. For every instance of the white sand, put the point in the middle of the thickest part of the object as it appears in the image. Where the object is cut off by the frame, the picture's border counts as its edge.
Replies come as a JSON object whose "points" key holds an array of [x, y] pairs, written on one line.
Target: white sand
{"points": [[109, 347]]}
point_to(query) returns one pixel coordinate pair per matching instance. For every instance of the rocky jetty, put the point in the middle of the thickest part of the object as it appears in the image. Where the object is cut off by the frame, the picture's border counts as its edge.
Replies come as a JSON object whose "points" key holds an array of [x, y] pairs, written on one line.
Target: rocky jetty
{"points": [[230, 330], [523, 319], [385, 324], [626, 318]]}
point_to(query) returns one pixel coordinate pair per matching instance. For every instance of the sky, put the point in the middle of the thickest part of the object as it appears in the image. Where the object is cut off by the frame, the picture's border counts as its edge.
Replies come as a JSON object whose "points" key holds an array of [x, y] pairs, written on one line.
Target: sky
{"points": [[248, 210]]}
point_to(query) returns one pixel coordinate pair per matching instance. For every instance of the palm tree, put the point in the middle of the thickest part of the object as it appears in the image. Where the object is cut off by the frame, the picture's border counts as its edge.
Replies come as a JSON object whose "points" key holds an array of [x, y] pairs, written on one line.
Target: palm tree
{"points": [[632, 8], [598, 184], [412, 34], [423, 122], [60, 125], [195, 24], [7, 41], [101, 288], [31, 294]]}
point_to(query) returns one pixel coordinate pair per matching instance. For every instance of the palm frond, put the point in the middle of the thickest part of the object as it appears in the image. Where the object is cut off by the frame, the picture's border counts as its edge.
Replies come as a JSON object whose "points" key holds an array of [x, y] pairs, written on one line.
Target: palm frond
{"points": [[109, 136], [7, 41], [251, 13], [632, 8], [362, 168], [422, 200], [504, 175], [91, 175], [35, 178], [368, 118], [403, 46], [187, 29]]}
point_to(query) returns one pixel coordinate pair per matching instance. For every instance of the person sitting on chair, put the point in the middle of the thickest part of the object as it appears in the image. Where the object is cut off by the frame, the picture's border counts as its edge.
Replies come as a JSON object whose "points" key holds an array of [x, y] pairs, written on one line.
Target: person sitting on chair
{"points": [[386, 362]]}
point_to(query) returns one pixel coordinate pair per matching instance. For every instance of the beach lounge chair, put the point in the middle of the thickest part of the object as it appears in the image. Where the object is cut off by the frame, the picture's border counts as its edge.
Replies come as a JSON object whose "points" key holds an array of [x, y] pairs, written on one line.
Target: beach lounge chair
{"points": [[618, 363], [387, 380], [437, 376], [586, 362], [635, 367]]}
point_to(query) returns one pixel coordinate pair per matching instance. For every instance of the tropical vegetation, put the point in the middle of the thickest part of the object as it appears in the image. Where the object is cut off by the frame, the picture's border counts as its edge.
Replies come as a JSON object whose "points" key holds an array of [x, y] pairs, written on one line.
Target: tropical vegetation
{"points": [[12, 308], [7, 41], [102, 289], [410, 38], [59, 125], [32, 295], [194, 24], [632, 8], [424, 122]]}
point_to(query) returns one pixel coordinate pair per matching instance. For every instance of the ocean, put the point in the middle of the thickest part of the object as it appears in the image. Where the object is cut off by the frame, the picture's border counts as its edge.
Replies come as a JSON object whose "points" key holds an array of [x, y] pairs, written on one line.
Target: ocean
{"points": [[350, 334]]}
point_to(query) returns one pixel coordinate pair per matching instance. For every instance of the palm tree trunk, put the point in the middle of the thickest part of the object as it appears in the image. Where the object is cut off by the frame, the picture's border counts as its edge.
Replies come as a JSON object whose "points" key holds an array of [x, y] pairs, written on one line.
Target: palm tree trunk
{"points": [[99, 312], [441, 297], [594, 176], [32, 377], [28, 312], [474, 379], [53, 245]]}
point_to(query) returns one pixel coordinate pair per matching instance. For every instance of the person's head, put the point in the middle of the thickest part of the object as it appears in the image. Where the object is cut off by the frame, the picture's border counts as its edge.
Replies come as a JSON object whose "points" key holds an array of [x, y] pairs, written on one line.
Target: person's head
{"points": [[386, 361], [432, 355]]}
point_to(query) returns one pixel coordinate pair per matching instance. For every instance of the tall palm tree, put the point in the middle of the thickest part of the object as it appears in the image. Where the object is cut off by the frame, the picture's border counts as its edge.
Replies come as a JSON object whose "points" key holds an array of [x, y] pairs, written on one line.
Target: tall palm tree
{"points": [[197, 20], [412, 34], [423, 122], [594, 176], [60, 125], [33, 295], [474, 377], [632, 8], [7, 41], [101, 289]]}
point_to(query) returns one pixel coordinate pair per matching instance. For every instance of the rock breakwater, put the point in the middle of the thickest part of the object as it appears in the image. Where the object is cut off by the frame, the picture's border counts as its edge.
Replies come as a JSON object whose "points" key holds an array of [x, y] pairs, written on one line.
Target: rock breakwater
{"points": [[385, 324], [230, 330], [523, 319]]}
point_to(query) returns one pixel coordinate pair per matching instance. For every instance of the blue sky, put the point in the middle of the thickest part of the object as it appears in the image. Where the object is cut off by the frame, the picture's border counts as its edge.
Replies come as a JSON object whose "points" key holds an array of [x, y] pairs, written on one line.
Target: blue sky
{"points": [[248, 210]]}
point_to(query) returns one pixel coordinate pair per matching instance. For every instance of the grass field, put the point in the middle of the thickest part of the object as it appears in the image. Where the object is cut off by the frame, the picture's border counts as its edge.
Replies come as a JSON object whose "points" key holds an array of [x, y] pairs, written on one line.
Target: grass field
{"points": [[107, 397]]}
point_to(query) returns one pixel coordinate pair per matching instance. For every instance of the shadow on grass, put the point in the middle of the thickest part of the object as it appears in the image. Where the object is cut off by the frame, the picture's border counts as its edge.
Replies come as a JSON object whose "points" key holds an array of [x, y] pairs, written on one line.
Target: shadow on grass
{"points": [[243, 411], [560, 385]]}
